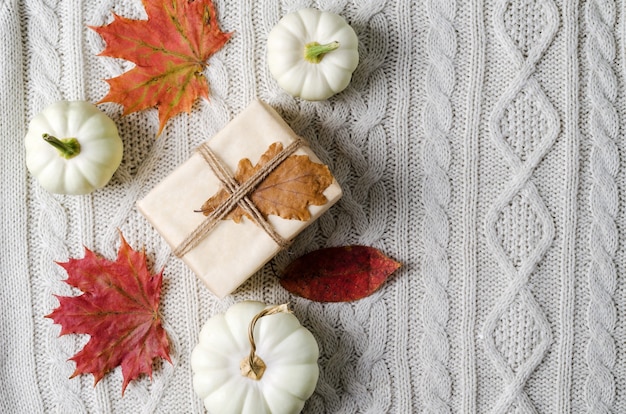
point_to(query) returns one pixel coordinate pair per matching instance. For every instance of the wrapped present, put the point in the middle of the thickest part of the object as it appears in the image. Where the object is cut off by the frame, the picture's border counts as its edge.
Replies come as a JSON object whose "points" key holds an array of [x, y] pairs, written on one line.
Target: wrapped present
{"points": [[240, 198]]}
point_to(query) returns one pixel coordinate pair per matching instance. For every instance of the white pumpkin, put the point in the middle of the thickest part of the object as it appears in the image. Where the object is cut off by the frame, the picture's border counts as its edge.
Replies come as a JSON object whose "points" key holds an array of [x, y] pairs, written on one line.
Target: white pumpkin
{"points": [[283, 373], [72, 147], [312, 53]]}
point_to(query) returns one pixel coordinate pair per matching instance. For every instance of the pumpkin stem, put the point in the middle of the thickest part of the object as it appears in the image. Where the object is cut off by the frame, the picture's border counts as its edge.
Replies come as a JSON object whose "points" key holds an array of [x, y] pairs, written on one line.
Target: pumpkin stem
{"points": [[67, 147], [314, 52], [253, 366]]}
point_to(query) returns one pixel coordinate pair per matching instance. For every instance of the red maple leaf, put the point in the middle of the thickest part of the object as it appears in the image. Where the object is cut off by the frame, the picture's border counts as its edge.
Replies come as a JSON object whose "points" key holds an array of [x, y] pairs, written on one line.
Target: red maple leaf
{"points": [[119, 309], [170, 51]]}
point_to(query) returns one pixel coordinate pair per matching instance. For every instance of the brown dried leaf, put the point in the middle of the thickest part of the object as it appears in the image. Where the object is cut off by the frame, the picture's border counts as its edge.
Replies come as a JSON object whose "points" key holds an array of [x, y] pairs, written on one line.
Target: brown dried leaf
{"points": [[287, 191]]}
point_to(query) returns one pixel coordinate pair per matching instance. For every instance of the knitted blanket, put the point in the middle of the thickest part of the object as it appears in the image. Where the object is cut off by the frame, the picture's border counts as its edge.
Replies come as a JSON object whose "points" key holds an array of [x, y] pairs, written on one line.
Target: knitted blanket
{"points": [[479, 144]]}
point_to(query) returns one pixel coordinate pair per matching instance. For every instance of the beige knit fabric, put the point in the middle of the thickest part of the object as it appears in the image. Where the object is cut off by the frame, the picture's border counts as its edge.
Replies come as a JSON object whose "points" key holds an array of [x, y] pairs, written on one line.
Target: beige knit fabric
{"points": [[480, 143]]}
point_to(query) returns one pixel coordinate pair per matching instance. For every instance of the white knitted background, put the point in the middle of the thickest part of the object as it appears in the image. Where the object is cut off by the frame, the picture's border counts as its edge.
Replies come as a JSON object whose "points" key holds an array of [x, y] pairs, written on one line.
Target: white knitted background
{"points": [[480, 143]]}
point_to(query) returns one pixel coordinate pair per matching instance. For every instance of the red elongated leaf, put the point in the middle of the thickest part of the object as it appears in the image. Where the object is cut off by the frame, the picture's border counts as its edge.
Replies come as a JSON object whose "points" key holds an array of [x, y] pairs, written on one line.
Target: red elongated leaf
{"points": [[119, 309], [338, 274], [170, 51]]}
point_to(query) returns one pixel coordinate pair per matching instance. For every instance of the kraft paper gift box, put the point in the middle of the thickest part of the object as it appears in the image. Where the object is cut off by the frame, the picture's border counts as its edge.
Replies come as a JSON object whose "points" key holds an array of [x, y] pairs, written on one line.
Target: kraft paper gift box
{"points": [[229, 253]]}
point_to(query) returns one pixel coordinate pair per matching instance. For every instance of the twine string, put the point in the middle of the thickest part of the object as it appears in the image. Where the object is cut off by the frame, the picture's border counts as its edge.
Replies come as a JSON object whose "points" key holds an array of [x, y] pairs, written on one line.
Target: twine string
{"points": [[238, 196]]}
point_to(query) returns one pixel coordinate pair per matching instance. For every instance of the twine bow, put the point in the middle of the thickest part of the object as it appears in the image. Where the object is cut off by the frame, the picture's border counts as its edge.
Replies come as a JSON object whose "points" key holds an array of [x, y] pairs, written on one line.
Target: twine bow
{"points": [[238, 196]]}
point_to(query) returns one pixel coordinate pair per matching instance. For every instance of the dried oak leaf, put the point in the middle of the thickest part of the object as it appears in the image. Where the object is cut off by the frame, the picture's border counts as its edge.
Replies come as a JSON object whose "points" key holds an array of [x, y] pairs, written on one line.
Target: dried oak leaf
{"points": [[170, 51], [338, 274], [119, 309], [286, 192]]}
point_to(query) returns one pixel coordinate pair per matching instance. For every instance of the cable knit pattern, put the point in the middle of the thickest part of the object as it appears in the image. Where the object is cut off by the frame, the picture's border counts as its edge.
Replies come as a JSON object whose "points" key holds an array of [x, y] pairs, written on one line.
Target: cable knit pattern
{"points": [[519, 229], [603, 242], [17, 348], [52, 222], [440, 78], [478, 144]]}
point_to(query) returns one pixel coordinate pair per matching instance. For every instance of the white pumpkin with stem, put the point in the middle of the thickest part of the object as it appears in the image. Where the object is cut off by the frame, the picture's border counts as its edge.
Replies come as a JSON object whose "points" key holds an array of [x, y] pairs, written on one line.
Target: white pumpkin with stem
{"points": [[72, 147], [255, 359], [312, 53]]}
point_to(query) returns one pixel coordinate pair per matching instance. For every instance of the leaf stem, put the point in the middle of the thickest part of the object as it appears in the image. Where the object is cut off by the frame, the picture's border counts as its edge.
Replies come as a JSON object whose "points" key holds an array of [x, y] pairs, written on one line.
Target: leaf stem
{"points": [[67, 147], [314, 52]]}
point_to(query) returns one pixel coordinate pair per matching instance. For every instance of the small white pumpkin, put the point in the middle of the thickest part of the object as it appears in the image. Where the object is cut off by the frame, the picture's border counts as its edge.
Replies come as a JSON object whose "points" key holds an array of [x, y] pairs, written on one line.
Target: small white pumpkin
{"points": [[72, 147], [312, 53], [255, 359]]}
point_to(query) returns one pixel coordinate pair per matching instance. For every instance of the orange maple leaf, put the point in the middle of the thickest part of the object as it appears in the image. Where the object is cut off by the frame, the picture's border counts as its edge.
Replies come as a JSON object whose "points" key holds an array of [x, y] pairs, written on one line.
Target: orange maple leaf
{"points": [[170, 51], [119, 309], [286, 192]]}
